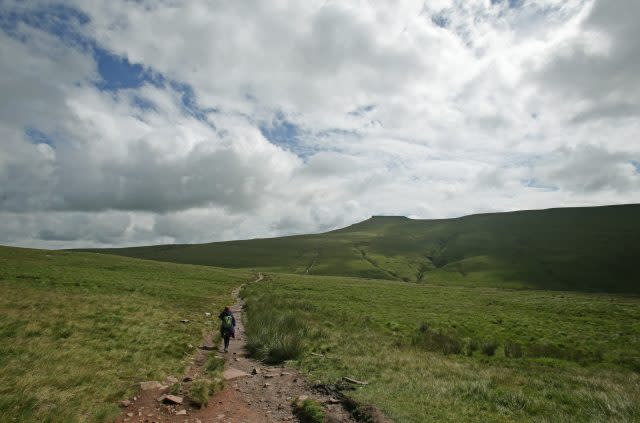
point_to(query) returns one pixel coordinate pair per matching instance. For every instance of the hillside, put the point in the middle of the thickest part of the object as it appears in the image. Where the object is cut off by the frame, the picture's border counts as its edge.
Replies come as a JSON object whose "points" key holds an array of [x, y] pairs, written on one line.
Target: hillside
{"points": [[586, 249]]}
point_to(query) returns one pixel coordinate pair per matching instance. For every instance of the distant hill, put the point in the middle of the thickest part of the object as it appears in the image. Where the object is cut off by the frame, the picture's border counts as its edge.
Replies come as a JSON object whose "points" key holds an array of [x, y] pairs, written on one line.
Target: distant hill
{"points": [[584, 249]]}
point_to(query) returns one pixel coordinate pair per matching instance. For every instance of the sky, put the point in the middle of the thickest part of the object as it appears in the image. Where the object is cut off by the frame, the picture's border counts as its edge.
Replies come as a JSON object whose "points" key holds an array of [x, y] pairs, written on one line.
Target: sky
{"points": [[146, 122]]}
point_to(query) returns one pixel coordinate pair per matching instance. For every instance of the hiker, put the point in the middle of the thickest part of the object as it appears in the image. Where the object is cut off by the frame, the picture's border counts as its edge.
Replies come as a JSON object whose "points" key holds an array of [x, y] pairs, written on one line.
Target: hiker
{"points": [[227, 327]]}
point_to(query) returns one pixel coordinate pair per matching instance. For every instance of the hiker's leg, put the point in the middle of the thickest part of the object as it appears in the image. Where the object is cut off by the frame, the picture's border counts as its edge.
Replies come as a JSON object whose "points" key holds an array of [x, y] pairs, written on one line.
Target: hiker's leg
{"points": [[226, 341]]}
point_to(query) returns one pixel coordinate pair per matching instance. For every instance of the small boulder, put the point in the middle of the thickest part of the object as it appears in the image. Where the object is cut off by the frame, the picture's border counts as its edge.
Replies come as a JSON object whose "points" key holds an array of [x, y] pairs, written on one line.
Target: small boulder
{"points": [[171, 380], [181, 413], [172, 399], [125, 403], [207, 314], [255, 371]]}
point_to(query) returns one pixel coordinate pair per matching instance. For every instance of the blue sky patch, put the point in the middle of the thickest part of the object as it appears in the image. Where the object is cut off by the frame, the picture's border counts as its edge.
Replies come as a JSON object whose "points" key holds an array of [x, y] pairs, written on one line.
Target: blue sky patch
{"points": [[36, 136], [190, 102], [513, 4], [58, 20], [337, 132], [636, 164], [66, 23], [535, 183], [280, 131], [142, 103], [287, 135], [117, 72]]}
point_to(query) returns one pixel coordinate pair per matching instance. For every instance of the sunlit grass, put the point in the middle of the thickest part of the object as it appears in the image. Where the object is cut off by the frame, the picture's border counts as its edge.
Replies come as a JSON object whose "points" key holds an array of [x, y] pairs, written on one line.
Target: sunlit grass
{"points": [[79, 330], [365, 330]]}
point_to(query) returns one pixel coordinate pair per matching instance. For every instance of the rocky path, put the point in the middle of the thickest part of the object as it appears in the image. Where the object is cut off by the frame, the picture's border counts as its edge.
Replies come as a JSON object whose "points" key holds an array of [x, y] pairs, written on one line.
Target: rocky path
{"points": [[254, 392]]}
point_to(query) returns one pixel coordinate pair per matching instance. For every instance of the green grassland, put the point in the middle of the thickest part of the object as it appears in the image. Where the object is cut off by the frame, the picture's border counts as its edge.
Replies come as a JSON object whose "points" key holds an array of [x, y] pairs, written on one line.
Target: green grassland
{"points": [[579, 361], [581, 249], [78, 330]]}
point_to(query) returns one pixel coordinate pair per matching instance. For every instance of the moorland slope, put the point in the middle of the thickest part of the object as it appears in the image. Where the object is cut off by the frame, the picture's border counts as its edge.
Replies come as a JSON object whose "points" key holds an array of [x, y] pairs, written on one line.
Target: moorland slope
{"points": [[582, 249]]}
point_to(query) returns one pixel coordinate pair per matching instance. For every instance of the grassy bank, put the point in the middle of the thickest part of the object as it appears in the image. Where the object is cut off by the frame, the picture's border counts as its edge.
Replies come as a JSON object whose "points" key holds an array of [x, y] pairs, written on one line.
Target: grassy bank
{"points": [[539, 355], [79, 329]]}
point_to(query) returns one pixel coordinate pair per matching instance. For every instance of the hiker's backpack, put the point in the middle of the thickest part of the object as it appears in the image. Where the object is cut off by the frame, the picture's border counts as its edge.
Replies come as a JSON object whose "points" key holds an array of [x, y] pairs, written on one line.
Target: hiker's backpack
{"points": [[227, 322]]}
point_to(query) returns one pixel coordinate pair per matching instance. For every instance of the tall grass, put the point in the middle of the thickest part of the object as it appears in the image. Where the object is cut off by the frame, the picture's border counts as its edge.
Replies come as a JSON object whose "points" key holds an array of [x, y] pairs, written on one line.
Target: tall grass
{"points": [[437, 340], [275, 331]]}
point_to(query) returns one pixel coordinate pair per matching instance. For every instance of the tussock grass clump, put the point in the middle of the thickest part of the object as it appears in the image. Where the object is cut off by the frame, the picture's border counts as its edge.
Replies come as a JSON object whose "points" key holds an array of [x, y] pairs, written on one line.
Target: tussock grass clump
{"points": [[308, 410], [489, 348], [469, 346], [437, 341], [200, 392], [202, 389], [513, 350], [215, 364], [275, 331], [571, 353]]}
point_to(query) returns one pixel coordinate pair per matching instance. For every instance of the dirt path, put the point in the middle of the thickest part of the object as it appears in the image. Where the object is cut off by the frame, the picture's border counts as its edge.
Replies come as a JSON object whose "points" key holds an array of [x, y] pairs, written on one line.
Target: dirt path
{"points": [[254, 392]]}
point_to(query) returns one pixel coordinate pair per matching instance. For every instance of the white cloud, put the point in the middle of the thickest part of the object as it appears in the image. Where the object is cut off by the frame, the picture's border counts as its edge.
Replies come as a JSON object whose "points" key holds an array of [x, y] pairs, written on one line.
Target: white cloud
{"points": [[428, 109]]}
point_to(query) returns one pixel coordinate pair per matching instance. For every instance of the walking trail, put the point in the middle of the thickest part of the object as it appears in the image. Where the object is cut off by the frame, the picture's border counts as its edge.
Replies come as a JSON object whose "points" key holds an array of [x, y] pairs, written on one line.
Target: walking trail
{"points": [[254, 392]]}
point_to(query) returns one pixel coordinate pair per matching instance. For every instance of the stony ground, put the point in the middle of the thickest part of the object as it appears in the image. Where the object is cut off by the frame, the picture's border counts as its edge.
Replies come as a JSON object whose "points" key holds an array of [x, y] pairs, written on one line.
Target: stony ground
{"points": [[254, 392]]}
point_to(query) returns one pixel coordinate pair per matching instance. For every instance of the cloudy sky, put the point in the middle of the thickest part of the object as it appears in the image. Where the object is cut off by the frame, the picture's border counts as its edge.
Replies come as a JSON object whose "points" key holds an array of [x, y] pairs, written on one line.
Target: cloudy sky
{"points": [[139, 122]]}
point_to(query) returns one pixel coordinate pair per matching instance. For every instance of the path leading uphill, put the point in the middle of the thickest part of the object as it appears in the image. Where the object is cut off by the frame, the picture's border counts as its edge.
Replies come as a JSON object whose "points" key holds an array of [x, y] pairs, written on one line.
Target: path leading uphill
{"points": [[254, 392]]}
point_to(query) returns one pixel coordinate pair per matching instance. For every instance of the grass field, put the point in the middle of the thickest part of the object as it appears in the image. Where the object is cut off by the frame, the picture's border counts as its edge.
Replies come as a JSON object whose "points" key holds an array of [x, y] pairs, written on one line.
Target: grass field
{"points": [[468, 339], [79, 329], [579, 249], [572, 356]]}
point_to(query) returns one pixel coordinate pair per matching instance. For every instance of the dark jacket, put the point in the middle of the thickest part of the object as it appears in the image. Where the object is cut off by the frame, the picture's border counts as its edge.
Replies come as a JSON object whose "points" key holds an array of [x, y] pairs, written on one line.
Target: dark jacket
{"points": [[233, 323]]}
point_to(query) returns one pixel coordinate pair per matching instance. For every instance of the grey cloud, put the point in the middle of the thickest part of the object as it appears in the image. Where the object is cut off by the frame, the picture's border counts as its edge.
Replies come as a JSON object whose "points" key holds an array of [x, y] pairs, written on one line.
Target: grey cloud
{"points": [[143, 181], [608, 81], [66, 229], [107, 228], [606, 111], [199, 225], [589, 169]]}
